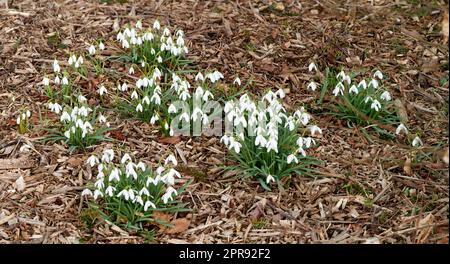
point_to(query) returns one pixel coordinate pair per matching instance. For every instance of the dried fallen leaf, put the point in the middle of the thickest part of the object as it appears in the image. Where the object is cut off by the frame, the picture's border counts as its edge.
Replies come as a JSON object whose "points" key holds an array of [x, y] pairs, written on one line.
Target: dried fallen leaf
{"points": [[161, 219], [19, 184], [116, 134], [445, 156], [169, 140], [407, 166], [179, 225], [279, 6], [445, 27], [75, 162]]}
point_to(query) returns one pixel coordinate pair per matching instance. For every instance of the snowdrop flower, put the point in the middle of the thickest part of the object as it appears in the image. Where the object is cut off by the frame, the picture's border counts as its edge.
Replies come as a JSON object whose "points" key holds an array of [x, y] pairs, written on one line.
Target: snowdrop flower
{"points": [[92, 160], [134, 95], [417, 142], [312, 67], [81, 98], [171, 158], [166, 32], [46, 81], [199, 77], [102, 90], [156, 25], [315, 129], [131, 70], [237, 81], [347, 79], [378, 75], [185, 117], [374, 83], [124, 87], [139, 25], [86, 192], [139, 108], [55, 107], [375, 105], [153, 119], [56, 68], [339, 89], [206, 96], [341, 75], [124, 193], [269, 179], [280, 93], [125, 158], [110, 191], [312, 86], [108, 155], [102, 118], [353, 89], [97, 193], [65, 81], [292, 158], [168, 195], [260, 141], [156, 99], [362, 84], [159, 59], [101, 46], [385, 96], [235, 145], [401, 128], [172, 109], [149, 204], [114, 175], [91, 50], [146, 100], [65, 117]]}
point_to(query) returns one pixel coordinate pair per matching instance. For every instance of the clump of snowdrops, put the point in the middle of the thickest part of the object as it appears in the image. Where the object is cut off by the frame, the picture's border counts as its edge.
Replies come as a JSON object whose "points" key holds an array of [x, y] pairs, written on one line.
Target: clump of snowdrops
{"points": [[80, 126], [128, 193], [266, 142], [23, 121], [154, 46]]}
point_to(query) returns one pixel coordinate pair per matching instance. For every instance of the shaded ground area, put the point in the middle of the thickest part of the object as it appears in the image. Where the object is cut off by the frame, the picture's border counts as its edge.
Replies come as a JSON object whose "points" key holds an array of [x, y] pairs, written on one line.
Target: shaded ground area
{"points": [[365, 193]]}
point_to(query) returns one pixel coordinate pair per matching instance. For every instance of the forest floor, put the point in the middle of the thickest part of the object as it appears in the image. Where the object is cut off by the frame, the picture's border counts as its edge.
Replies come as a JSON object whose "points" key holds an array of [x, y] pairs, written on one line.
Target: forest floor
{"points": [[370, 190]]}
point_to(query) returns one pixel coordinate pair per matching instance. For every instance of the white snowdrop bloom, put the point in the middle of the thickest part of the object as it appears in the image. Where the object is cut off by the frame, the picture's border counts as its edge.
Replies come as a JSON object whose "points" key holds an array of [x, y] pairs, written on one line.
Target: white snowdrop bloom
{"points": [[368, 99], [131, 194], [166, 32], [120, 36], [417, 142], [171, 158], [312, 86], [149, 204], [110, 191], [92, 160], [97, 193], [153, 119], [185, 117], [101, 46], [126, 157], [159, 59], [362, 84], [401, 128], [205, 119], [114, 175], [144, 191], [125, 44], [374, 83], [131, 70], [86, 192], [386, 96], [102, 118], [168, 195], [375, 105], [353, 89], [237, 81], [272, 144], [302, 152], [156, 25], [281, 93], [378, 75], [347, 79], [308, 142], [56, 67], [139, 108], [55, 107], [312, 67], [124, 87], [65, 81], [225, 140], [199, 77], [206, 96], [99, 184], [81, 98], [139, 25], [157, 74], [134, 95], [72, 59], [108, 155], [160, 170], [46, 81], [141, 166], [260, 141], [91, 50], [67, 134], [130, 171], [124, 193], [184, 95], [102, 90], [172, 109], [139, 200], [269, 179], [146, 100], [65, 117], [315, 129], [235, 145], [292, 158], [156, 99], [341, 75], [339, 89]]}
